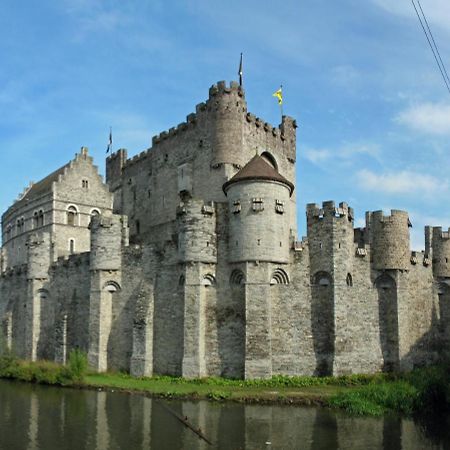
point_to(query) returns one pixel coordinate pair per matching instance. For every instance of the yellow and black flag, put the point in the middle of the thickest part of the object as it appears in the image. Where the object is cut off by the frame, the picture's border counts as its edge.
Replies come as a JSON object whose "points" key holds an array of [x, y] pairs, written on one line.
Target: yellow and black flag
{"points": [[279, 95]]}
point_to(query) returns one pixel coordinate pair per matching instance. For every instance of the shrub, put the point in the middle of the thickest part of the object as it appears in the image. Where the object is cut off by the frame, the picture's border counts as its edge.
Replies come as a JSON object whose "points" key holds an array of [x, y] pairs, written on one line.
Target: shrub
{"points": [[78, 365]]}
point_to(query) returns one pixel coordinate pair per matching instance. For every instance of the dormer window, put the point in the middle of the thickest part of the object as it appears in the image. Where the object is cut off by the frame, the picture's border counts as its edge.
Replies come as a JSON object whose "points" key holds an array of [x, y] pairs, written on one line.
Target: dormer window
{"points": [[85, 184], [258, 204]]}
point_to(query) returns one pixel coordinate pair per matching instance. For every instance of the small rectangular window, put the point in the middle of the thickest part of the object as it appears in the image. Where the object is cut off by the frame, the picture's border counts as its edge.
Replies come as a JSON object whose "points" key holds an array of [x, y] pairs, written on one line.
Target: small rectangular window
{"points": [[236, 207], [279, 206], [258, 204]]}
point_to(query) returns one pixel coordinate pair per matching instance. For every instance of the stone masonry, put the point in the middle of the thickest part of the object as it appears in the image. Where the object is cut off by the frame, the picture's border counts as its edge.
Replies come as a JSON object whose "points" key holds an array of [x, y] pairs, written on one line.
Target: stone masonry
{"points": [[186, 262]]}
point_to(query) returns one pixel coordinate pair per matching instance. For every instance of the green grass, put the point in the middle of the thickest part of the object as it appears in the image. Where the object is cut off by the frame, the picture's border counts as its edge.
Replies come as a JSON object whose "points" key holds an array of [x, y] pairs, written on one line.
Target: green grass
{"points": [[422, 390]]}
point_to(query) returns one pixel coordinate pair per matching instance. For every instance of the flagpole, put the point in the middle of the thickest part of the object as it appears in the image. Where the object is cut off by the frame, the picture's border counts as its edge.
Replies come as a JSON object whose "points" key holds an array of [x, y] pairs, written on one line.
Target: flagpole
{"points": [[281, 104], [240, 71]]}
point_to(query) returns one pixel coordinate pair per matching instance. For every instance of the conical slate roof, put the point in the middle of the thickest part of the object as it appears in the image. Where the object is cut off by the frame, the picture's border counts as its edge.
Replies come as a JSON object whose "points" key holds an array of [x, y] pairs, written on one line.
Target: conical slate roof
{"points": [[258, 169]]}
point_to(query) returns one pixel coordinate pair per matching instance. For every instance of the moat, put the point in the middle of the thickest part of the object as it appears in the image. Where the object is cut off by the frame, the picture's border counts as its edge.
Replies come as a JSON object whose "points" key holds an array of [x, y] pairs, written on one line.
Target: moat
{"points": [[38, 417]]}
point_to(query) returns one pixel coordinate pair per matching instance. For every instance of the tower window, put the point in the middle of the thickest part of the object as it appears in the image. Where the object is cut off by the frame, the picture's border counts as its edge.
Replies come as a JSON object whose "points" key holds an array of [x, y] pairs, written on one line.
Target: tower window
{"points": [[279, 206], [71, 246], [258, 204], [236, 207], [35, 220], [85, 184]]}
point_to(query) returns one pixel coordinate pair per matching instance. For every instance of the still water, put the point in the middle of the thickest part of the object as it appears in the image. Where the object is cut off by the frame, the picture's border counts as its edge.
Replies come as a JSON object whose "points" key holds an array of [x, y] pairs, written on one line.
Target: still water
{"points": [[45, 418]]}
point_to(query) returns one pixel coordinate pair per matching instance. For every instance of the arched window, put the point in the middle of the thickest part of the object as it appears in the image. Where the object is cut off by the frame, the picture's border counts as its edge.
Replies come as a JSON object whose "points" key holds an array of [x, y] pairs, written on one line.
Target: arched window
{"points": [[85, 184], [95, 212], [279, 276], [8, 232], [349, 280], [72, 215], [71, 246], [18, 227], [41, 218], [35, 219]]}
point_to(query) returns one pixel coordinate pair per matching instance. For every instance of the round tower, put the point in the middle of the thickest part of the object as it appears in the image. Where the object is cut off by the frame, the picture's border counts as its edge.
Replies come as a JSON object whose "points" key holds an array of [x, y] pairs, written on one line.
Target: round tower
{"points": [[440, 245], [108, 234], [197, 232], [330, 239], [258, 200], [389, 238], [228, 108]]}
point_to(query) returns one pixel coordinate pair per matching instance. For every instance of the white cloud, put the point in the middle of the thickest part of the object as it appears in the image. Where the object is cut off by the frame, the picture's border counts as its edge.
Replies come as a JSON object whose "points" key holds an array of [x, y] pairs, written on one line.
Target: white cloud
{"points": [[437, 11], [430, 118], [404, 182], [344, 153]]}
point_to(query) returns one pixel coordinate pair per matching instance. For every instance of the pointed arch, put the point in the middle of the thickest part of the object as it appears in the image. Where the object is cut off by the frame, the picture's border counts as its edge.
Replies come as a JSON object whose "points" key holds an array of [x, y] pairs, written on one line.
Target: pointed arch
{"points": [[268, 157]]}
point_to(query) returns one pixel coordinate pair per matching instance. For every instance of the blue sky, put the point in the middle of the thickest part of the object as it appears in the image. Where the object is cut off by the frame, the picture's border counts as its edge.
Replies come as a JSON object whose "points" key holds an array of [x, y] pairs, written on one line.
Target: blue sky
{"points": [[373, 113]]}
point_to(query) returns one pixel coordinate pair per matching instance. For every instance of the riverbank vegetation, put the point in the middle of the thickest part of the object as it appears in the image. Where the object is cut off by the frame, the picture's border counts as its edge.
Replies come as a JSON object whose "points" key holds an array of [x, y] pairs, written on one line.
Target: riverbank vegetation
{"points": [[422, 390]]}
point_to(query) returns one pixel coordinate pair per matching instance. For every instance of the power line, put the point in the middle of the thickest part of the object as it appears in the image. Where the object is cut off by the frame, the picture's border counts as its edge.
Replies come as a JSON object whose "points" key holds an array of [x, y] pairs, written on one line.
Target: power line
{"points": [[431, 46], [434, 42]]}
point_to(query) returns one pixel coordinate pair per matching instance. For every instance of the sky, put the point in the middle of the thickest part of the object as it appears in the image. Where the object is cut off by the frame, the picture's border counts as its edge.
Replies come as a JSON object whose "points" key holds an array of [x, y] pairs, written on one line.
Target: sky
{"points": [[359, 77]]}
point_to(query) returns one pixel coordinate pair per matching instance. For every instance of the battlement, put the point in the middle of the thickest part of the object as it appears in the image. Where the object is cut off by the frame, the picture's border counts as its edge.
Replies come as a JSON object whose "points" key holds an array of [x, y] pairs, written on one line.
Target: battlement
{"points": [[329, 209], [395, 216], [221, 88], [439, 234]]}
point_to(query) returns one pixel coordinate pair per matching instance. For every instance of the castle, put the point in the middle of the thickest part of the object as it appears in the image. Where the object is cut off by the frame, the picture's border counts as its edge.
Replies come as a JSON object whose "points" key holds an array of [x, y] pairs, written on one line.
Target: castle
{"points": [[186, 262]]}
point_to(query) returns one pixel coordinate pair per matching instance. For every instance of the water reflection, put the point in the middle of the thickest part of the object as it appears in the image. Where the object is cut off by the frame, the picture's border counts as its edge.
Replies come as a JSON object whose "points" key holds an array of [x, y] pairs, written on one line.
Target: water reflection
{"points": [[43, 418]]}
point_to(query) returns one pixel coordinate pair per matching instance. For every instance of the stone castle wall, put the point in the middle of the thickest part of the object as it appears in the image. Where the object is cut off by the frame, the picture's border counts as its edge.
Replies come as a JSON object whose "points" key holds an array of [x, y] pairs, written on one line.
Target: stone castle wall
{"points": [[184, 279]]}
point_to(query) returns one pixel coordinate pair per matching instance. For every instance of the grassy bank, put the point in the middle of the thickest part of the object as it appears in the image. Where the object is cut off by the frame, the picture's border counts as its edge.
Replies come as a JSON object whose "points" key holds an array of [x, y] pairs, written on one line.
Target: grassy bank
{"points": [[422, 390]]}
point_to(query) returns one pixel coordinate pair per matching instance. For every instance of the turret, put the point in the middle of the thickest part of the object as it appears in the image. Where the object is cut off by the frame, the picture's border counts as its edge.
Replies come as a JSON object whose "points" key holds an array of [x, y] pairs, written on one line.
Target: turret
{"points": [[114, 165], [108, 235], [259, 202], [197, 232], [39, 247], [228, 107], [440, 244], [330, 233], [389, 239]]}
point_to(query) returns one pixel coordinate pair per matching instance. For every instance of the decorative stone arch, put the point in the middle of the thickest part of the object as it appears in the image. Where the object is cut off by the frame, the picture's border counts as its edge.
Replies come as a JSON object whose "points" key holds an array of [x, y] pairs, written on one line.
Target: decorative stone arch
{"points": [[270, 159], [112, 287], [95, 212], [384, 282], [279, 276], [322, 279], [208, 280], [72, 215], [237, 277]]}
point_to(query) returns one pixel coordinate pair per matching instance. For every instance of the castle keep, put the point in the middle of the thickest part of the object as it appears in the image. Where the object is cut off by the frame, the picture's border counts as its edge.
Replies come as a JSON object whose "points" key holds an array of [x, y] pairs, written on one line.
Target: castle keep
{"points": [[186, 262]]}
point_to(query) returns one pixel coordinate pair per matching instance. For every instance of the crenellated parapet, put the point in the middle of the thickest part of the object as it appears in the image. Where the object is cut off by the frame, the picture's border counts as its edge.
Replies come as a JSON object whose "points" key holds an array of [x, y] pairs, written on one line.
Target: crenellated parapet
{"points": [[440, 250], [389, 239], [329, 211]]}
